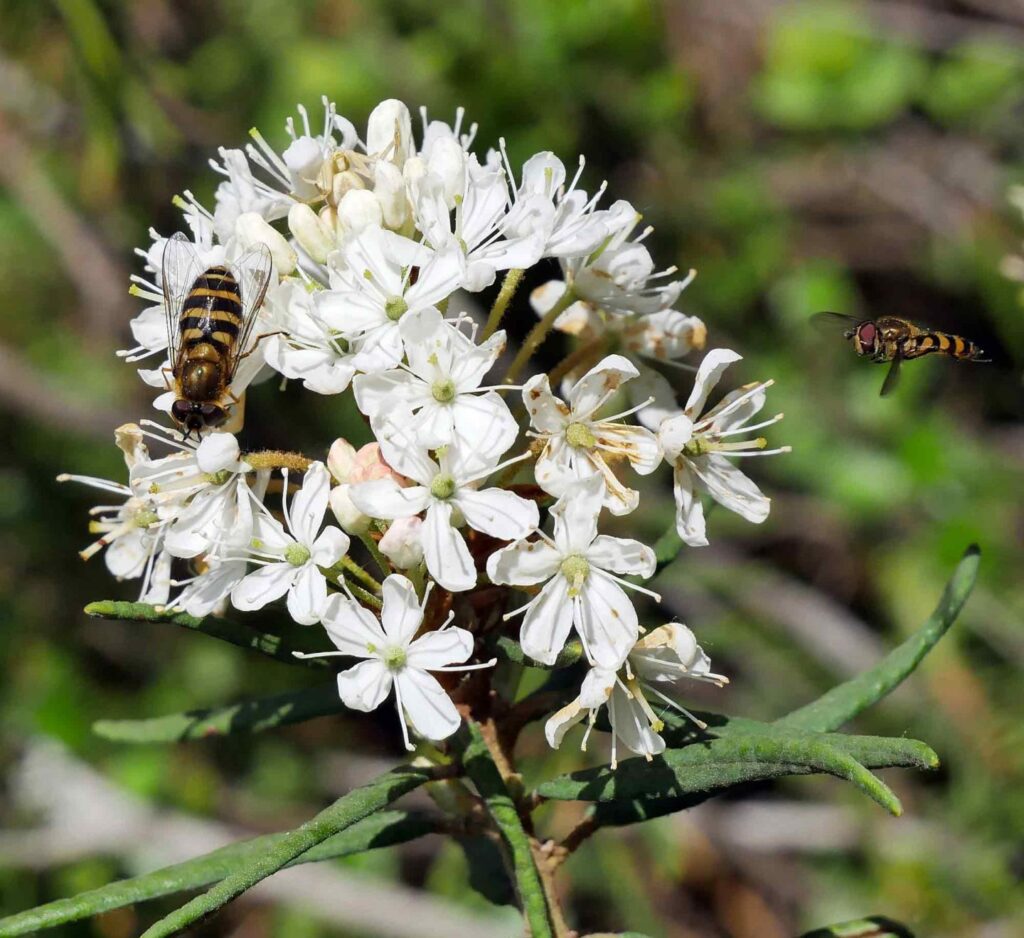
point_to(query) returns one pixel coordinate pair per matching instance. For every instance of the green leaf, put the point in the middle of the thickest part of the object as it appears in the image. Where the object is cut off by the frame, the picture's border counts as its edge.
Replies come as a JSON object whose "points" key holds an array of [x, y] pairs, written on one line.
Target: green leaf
{"points": [[511, 650], [876, 926], [713, 765], [345, 812], [266, 643], [843, 703], [481, 769], [379, 830], [248, 716]]}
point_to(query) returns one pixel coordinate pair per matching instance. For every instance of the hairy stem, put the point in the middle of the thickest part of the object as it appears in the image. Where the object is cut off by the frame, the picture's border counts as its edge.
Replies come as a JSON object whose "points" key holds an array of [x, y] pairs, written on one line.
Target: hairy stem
{"points": [[508, 289], [539, 333]]}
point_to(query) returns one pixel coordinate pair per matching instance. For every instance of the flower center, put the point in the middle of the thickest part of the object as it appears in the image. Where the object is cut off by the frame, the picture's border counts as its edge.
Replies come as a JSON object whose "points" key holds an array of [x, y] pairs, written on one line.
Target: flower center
{"points": [[217, 478], [579, 435], [442, 487], [575, 568], [145, 517], [296, 554], [443, 391], [395, 308], [394, 657], [697, 446]]}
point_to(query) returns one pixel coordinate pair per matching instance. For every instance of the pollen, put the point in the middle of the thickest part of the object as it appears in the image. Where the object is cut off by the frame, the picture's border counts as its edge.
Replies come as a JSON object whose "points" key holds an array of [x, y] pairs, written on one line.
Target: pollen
{"points": [[580, 436], [296, 554], [395, 308]]}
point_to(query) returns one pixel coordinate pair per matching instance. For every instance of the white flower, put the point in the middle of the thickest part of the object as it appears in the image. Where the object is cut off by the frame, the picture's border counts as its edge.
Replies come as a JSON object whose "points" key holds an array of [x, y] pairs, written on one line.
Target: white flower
{"points": [[578, 445], [446, 491], [696, 448], [402, 543], [290, 561], [377, 288], [310, 350], [663, 658], [583, 590], [133, 532], [441, 386], [395, 658]]}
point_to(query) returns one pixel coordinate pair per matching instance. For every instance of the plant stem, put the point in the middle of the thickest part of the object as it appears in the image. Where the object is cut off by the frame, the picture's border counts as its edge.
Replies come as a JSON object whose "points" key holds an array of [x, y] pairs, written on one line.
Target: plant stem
{"points": [[366, 596], [579, 356], [538, 333], [349, 566], [378, 558], [508, 289]]}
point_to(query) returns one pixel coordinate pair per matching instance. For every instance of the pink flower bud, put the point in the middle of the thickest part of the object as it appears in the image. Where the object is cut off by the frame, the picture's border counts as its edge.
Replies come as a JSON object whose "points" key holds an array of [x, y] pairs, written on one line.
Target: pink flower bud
{"points": [[340, 459], [402, 544], [369, 465]]}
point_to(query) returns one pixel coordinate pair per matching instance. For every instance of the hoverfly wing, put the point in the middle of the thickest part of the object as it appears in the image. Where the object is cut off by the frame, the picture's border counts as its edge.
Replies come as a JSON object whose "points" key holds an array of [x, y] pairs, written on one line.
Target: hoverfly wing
{"points": [[832, 323], [179, 269], [892, 377], [252, 273]]}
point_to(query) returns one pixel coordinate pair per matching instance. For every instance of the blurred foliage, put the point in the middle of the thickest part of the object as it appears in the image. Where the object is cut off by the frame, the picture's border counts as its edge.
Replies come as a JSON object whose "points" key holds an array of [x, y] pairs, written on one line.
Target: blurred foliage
{"points": [[801, 156]]}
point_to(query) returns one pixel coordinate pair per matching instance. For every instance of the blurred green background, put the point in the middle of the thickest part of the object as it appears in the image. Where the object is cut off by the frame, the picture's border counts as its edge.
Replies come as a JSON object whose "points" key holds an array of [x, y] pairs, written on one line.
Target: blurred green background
{"points": [[802, 156]]}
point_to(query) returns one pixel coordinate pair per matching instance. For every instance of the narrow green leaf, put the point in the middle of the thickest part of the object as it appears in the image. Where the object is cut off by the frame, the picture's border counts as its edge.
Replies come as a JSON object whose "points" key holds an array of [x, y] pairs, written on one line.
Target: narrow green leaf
{"points": [[511, 650], [721, 763], [248, 716], [378, 830], [875, 926], [275, 646], [484, 774], [345, 812], [843, 703]]}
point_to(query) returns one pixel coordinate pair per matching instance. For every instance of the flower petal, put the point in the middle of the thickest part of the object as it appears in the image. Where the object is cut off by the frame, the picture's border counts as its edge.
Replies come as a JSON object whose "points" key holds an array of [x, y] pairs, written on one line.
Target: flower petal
{"points": [[308, 595], [576, 515], [217, 451], [629, 723], [497, 512], [547, 623], [622, 555], [731, 488], [593, 388], [430, 710], [689, 511], [401, 615], [353, 628], [606, 619], [263, 586], [445, 551], [708, 375], [560, 722], [440, 649], [524, 563], [309, 504], [547, 413], [385, 498], [329, 547], [364, 686]]}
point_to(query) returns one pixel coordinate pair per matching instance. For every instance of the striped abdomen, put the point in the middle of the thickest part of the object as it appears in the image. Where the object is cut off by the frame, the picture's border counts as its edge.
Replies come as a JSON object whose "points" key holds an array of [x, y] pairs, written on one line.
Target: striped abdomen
{"points": [[941, 343], [211, 319]]}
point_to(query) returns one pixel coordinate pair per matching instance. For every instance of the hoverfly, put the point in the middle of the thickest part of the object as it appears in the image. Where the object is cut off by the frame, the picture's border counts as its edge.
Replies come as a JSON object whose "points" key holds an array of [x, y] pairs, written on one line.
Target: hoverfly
{"points": [[210, 316], [892, 339]]}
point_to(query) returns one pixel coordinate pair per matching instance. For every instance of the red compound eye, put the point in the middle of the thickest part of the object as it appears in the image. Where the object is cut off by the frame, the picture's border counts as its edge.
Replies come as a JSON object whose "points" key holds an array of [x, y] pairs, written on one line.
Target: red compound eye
{"points": [[866, 337]]}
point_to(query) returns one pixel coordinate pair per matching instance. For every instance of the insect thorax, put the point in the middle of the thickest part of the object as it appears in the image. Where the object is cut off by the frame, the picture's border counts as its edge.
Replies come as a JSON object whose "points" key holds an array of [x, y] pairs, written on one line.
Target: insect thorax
{"points": [[202, 374]]}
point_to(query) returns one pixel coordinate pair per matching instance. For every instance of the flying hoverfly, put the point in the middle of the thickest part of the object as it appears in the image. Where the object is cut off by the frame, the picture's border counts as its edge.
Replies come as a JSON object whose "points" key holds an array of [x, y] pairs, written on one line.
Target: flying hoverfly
{"points": [[210, 317], [892, 339]]}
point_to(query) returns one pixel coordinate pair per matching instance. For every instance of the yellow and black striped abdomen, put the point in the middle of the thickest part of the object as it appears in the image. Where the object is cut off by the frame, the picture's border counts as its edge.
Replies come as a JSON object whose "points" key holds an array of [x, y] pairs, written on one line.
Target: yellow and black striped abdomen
{"points": [[941, 343], [212, 312]]}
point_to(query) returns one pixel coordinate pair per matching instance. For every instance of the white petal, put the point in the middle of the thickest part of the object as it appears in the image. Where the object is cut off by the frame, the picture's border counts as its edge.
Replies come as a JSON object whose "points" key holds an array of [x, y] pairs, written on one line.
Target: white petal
{"points": [[607, 620], [126, 557], [547, 413], [621, 555], [216, 452], [377, 392], [560, 722], [353, 628], [364, 686], [547, 623], [728, 486], [430, 710], [674, 433], [576, 515], [308, 506], [689, 511], [636, 444], [483, 424], [629, 723], [385, 498], [523, 564], [329, 547], [497, 512], [742, 413], [597, 687], [205, 594], [708, 375], [263, 586], [607, 375], [308, 595], [447, 556], [440, 649], [650, 384], [401, 615]]}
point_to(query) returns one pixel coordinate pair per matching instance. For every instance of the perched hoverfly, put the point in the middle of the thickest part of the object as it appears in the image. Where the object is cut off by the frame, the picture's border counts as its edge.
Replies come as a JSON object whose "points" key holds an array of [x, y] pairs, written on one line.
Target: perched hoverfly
{"points": [[210, 316], [892, 340]]}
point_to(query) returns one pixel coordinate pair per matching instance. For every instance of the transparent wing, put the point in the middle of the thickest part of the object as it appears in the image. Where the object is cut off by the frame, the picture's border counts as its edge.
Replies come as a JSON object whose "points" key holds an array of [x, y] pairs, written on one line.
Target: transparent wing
{"points": [[892, 377], [252, 272], [834, 322], [178, 271]]}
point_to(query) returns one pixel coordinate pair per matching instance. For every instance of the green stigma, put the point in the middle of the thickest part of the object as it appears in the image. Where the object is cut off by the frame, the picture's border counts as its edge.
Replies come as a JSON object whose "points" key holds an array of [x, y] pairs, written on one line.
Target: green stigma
{"points": [[395, 308], [575, 568], [146, 517], [443, 391], [296, 554], [442, 487], [217, 478], [394, 657], [579, 435]]}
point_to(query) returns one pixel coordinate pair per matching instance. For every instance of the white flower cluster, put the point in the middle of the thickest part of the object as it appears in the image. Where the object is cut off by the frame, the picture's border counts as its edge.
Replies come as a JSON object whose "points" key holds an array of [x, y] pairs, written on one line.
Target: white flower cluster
{"points": [[372, 241]]}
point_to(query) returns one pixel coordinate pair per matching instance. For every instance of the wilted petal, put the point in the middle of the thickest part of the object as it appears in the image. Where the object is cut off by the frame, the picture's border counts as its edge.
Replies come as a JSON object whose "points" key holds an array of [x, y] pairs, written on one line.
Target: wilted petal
{"points": [[560, 722], [547, 413], [689, 511], [593, 388]]}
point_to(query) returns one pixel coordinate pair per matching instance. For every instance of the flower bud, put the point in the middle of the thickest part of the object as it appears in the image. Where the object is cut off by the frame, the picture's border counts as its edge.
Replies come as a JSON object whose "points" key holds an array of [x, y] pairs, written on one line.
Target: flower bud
{"points": [[369, 465], [251, 229], [402, 543], [389, 187], [316, 239], [340, 459], [359, 209], [351, 519], [389, 132], [304, 159], [447, 161]]}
